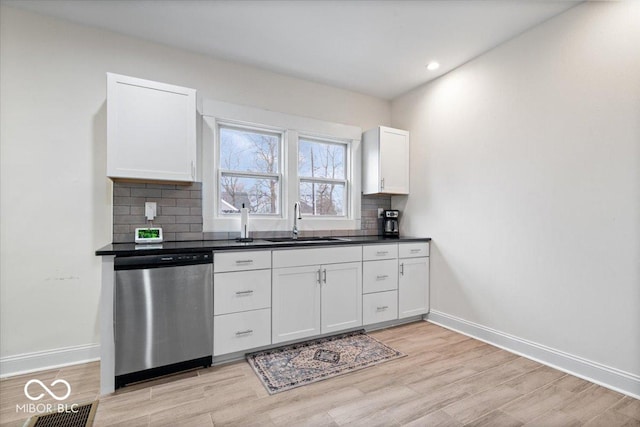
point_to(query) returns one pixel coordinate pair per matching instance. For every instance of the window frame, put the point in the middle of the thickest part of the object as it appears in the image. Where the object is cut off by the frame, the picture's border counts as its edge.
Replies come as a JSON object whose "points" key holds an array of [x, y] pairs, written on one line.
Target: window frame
{"points": [[220, 172], [347, 173], [292, 127]]}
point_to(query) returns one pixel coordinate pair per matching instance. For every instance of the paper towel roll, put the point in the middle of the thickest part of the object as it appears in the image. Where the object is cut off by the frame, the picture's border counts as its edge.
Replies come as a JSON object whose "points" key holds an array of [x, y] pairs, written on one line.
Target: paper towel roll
{"points": [[244, 223]]}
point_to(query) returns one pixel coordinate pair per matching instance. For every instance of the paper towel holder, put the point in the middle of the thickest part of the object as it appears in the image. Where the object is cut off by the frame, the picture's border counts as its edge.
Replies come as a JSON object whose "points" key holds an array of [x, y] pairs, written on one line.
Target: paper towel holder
{"points": [[244, 225]]}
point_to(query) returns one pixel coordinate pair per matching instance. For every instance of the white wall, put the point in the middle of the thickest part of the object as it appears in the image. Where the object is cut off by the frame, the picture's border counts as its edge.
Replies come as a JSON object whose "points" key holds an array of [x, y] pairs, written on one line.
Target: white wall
{"points": [[525, 170], [55, 199]]}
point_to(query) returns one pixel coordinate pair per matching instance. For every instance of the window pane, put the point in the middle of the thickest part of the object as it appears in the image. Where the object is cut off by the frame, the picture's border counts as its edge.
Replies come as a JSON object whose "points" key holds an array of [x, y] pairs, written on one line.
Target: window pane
{"points": [[259, 195], [317, 198], [321, 160], [248, 150]]}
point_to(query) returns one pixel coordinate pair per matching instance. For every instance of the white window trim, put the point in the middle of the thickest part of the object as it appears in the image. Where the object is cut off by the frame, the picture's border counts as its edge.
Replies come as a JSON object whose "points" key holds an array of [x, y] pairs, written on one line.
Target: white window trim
{"points": [[279, 174], [346, 181], [292, 126]]}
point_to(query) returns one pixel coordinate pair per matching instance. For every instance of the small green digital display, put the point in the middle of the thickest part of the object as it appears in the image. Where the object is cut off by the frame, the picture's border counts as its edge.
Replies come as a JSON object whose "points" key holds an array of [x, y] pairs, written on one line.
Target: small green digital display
{"points": [[148, 233]]}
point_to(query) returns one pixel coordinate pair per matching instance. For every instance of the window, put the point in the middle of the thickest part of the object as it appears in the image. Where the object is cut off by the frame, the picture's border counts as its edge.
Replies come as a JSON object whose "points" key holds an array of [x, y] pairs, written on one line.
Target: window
{"points": [[269, 161], [249, 170], [322, 177]]}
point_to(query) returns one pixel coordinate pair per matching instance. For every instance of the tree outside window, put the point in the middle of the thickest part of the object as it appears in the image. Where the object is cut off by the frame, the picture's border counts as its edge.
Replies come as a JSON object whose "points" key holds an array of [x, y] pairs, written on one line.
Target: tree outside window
{"points": [[249, 170], [322, 177]]}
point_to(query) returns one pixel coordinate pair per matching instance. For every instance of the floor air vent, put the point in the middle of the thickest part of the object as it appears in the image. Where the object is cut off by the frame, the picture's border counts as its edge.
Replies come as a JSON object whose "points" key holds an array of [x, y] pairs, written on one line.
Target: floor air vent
{"points": [[81, 416]]}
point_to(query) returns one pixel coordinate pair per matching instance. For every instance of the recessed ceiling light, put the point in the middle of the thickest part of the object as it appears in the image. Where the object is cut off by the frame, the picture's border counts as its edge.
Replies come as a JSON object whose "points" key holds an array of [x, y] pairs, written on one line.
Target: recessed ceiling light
{"points": [[433, 65]]}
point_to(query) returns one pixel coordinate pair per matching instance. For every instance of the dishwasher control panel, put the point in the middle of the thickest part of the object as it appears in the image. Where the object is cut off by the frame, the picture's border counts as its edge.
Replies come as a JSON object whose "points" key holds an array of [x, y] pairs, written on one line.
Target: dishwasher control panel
{"points": [[158, 261]]}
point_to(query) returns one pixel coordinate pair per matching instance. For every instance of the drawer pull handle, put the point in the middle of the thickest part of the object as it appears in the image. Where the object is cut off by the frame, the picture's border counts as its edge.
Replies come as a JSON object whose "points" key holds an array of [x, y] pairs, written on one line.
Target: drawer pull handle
{"points": [[249, 292], [382, 252], [244, 261], [247, 332], [384, 307], [415, 251], [382, 277]]}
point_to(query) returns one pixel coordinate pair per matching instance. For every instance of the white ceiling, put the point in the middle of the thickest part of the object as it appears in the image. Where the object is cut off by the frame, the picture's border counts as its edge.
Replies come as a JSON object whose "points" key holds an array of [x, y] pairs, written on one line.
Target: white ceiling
{"points": [[374, 47]]}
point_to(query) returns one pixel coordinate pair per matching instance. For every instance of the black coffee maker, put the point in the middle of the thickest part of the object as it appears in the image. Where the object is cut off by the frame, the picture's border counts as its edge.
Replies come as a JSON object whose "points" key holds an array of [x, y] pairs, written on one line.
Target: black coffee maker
{"points": [[390, 227]]}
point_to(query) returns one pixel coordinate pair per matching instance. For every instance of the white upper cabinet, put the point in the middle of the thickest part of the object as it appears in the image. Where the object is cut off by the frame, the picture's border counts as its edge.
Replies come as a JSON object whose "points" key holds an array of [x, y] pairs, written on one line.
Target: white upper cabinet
{"points": [[385, 161], [151, 130]]}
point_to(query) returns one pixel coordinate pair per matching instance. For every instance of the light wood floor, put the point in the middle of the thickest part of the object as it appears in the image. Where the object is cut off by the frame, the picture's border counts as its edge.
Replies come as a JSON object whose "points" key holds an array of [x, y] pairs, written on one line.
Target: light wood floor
{"points": [[447, 379]]}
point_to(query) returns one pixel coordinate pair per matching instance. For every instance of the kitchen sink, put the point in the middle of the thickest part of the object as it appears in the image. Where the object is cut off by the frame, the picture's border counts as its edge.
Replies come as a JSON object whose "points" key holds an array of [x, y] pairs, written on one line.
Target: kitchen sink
{"points": [[306, 239]]}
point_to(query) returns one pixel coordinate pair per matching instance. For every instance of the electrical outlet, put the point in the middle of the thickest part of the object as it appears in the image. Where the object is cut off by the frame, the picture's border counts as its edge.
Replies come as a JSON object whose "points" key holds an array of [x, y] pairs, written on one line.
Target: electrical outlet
{"points": [[150, 210], [380, 210]]}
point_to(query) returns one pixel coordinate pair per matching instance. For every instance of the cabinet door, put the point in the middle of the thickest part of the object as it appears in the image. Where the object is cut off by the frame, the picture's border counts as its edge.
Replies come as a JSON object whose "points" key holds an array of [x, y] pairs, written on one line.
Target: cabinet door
{"points": [[394, 161], [151, 130], [341, 296], [413, 287], [295, 303]]}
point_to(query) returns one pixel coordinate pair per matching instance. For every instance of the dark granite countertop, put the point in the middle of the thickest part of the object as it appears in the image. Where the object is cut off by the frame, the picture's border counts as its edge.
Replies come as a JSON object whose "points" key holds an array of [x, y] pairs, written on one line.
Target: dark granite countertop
{"points": [[126, 249]]}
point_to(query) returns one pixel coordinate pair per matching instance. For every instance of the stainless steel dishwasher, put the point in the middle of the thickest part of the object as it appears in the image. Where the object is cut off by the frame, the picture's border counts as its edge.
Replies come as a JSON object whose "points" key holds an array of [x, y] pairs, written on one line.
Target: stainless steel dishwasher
{"points": [[163, 314]]}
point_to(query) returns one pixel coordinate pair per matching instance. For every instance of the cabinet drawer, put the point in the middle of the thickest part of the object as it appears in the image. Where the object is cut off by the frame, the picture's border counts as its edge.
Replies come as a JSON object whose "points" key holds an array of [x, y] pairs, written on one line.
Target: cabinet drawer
{"points": [[313, 256], [238, 261], [241, 291], [413, 250], [241, 331], [379, 307], [386, 251], [378, 276]]}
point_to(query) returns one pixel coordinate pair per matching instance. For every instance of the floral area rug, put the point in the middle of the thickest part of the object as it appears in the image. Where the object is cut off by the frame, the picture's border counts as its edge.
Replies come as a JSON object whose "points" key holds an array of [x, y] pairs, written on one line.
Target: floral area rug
{"points": [[295, 365]]}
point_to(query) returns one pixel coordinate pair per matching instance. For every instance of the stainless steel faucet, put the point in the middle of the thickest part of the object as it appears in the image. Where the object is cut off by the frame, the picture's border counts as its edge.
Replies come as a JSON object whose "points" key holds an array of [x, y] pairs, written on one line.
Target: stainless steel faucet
{"points": [[296, 216]]}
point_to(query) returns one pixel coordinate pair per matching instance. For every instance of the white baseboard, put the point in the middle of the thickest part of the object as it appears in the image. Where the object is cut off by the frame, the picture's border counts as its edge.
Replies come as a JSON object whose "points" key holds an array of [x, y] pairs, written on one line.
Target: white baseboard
{"points": [[615, 379], [49, 359]]}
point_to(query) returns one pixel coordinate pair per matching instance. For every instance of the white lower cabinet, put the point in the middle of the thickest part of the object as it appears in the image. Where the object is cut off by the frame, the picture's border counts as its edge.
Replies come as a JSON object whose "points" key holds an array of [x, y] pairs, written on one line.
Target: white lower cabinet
{"points": [[380, 283], [295, 298], [413, 284], [242, 291], [378, 276], [241, 331], [379, 307], [241, 301], [341, 300], [271, 297], [315, 299]]}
